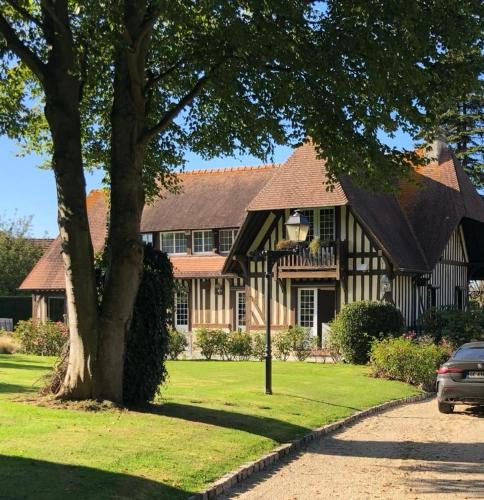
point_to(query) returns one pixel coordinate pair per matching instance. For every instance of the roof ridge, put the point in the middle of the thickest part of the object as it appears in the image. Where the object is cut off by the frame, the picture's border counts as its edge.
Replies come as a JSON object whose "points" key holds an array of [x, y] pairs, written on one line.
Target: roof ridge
{"points": [[243, 168]]}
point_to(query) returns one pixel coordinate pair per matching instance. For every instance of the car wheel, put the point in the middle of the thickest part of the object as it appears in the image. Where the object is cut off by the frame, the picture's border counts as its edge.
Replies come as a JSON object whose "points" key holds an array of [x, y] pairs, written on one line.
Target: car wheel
{"points": [[446, 407]]}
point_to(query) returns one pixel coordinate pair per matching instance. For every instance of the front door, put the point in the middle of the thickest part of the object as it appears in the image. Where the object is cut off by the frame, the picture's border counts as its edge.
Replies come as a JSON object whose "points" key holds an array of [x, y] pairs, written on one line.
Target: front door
{"points": [[307, 312], [326, 313]]}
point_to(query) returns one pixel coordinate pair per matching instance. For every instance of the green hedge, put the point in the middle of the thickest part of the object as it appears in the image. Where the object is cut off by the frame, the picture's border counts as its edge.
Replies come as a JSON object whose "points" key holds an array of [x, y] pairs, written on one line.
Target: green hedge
{"points": [[43, 338], [358, 324]]}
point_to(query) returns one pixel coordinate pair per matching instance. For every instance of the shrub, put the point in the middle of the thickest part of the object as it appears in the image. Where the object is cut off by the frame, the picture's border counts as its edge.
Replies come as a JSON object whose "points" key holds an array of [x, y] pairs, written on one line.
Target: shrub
{"points": [[7, 343], [213, 342], [45, 338], [454, 325], [301, 342], [259, 346], [177, 343], [240, 345], [147, 339], [406, 360], [359, 323], [282, 343]]}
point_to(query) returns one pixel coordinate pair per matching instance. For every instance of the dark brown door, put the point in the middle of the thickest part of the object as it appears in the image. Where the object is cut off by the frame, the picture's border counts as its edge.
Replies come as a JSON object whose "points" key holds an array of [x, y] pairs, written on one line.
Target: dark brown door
{"points": [[326, 310]]}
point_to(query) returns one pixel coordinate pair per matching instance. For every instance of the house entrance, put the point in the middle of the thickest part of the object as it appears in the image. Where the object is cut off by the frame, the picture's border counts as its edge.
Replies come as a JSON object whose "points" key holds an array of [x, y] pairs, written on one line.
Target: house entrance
{"points": [[315, 309]]}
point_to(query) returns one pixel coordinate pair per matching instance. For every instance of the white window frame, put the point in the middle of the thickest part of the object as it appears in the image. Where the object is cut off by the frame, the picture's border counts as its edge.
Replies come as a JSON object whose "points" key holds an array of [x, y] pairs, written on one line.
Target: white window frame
{"points": [[234, 235], [147, 238], [333, 211], [174, 246], [181, 327], [203, 231], [314, 328], [316, 221], [238, 324]]}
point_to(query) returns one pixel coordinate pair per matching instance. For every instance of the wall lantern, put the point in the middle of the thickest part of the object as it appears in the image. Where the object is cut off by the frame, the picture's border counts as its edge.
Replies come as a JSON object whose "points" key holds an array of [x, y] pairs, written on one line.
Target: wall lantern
{"points": [[297, 227], [385, 283]]}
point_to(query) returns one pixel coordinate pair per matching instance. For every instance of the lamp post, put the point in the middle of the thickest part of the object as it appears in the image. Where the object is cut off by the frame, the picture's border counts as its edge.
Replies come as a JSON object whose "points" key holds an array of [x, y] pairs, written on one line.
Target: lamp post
{"points": [[297, 228]]}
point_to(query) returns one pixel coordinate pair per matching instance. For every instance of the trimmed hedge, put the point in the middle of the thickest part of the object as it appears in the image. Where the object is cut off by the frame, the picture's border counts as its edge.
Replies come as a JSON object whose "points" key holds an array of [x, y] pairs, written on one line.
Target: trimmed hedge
{"points": [[360, 323]]}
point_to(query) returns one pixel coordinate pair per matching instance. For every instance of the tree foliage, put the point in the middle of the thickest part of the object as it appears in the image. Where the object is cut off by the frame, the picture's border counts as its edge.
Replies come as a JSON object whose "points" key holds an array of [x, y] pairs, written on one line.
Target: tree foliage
{"points": [[463, 127], [17, 253]]}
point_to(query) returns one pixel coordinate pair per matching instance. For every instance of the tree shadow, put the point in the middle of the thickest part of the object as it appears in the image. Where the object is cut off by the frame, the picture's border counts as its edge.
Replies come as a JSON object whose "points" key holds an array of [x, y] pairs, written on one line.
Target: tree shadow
{"points": [[277, 430], [15, 388], [23, 366], [42, 480]]}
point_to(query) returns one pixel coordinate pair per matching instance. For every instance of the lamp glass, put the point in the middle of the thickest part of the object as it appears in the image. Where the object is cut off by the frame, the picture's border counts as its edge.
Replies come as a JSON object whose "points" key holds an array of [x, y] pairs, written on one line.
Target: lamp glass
{"points": [[297, 227]]}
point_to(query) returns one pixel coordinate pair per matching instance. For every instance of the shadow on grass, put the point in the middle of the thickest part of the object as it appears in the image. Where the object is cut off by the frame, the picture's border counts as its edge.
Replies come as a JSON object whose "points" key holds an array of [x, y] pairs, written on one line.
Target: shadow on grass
{"points": [[268, 427], [320, 401], [40, 480], [23, 366], [16, 389]]}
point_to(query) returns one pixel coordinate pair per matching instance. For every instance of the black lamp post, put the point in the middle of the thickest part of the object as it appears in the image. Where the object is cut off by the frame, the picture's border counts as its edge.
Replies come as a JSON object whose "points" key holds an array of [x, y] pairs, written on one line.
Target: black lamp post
{"points": [[297, 228]]}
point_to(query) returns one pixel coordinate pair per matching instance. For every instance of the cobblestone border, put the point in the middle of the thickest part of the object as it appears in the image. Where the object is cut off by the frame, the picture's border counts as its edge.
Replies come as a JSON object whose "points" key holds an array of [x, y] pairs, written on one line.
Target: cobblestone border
{"points": [[226, 482]]}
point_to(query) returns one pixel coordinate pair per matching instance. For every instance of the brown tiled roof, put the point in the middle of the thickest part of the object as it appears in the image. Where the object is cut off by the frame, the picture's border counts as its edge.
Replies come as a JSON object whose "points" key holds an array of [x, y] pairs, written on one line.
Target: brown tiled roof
{"points": [[42, 243], [48, 273], [214, 198], [436, 200], [298, 183], [196, 266]]}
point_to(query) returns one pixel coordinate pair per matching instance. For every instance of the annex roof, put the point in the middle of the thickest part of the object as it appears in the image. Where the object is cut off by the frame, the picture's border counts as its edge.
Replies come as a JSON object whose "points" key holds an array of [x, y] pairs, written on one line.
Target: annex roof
{"points": [[216, 198]]}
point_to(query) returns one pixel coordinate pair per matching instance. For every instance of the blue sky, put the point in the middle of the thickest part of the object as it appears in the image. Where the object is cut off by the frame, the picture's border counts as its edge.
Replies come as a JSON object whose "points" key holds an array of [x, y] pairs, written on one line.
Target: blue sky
{"points": [[27, 190]]}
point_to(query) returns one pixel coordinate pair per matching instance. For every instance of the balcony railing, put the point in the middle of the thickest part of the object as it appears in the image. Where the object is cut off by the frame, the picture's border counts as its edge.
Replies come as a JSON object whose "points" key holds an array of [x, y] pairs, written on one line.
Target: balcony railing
{"points": [[327, 258]]}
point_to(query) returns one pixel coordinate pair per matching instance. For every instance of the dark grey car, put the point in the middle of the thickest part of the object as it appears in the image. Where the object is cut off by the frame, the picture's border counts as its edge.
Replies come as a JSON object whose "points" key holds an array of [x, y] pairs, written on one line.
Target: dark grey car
{"points": [[461, 379]]}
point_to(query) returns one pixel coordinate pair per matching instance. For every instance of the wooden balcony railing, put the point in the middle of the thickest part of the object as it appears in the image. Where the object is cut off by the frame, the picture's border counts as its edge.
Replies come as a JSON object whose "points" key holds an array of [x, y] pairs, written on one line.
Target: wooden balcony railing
{"points": [[324, 263]]}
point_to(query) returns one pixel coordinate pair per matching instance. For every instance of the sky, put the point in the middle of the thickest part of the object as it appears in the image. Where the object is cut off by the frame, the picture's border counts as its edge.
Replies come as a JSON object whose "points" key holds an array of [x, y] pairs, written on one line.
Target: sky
{"points": [[26, 190]]}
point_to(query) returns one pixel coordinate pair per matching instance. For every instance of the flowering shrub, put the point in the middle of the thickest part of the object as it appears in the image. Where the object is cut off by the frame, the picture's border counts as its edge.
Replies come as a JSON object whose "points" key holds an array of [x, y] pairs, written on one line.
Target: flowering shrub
{"points": [[177, 343], [259, 346], [411, 361], [41, 338]]}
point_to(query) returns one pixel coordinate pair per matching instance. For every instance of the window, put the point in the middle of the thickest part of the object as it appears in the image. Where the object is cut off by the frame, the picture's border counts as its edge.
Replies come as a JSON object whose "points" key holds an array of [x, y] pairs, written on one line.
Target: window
{"points": [[326, 224], [469, 354], [226, 239], [147, 238], [307, 305], [173, 242], [56, 308], [310, 215], [431, 296], [181, 311], [460, 297], [240, 310], [202, 241]]}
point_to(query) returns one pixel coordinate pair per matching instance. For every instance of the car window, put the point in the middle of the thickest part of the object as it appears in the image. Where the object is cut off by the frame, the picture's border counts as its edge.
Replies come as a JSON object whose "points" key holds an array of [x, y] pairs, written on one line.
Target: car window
{"points": [[470, 354]]}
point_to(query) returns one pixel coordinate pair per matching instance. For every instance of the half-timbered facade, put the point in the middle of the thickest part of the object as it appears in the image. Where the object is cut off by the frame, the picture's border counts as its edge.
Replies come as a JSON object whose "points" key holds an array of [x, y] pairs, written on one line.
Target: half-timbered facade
{"points": [[417, 248]]}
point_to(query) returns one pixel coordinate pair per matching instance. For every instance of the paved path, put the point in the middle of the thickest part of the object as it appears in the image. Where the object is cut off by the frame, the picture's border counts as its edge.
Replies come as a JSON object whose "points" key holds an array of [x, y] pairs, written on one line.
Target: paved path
{"points": [[411, 452]]}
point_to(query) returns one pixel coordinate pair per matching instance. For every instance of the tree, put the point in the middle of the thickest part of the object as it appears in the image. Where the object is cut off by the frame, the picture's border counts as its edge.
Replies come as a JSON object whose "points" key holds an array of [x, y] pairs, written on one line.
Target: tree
{"points": [[17, 253], [463, 126], [130, 85]]}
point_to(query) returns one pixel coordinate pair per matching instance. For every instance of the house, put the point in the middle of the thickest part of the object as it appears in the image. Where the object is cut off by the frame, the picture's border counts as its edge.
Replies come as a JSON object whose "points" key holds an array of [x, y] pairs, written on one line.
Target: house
{"points": [[417, 248]]}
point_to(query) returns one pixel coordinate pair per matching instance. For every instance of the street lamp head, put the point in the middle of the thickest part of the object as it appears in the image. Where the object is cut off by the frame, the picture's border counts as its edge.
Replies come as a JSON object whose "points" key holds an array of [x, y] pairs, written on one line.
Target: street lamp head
{"points": [[297, 226]]}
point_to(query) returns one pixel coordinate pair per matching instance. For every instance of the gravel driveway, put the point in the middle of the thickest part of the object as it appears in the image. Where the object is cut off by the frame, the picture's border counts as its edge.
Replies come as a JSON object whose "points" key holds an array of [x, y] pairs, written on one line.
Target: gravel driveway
{"points": [[409, 452]]}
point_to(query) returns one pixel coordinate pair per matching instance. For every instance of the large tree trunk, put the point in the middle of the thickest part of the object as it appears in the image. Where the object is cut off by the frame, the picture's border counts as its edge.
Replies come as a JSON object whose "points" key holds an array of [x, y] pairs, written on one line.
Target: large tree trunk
{"points": [[62, 110], [124, 250]]}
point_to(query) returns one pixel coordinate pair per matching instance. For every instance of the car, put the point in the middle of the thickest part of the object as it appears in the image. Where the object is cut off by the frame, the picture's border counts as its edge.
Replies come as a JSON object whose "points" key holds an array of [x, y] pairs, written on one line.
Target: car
{"points": [[460, 380]]}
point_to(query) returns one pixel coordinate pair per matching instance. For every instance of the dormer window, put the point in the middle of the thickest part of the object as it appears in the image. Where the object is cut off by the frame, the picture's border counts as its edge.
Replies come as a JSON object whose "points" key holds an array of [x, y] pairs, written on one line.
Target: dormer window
{"points": [[226, 239], [322, 223], [202, 241], [173, 242]]}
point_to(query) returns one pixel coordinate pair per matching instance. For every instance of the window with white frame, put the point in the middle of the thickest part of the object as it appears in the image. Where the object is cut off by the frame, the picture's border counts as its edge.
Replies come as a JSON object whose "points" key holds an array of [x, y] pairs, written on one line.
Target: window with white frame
{"points": [[147, 238], [173, 242], [240, 310], [202, 241], [226, 239], [327, 224], [181, 310], [307, 307]]}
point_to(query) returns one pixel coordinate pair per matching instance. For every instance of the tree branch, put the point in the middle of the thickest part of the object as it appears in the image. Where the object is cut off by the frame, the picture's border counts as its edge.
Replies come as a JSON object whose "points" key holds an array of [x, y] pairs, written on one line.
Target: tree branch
{"points": [[171, 114], [50, 10], [154, 79], [23, 12], [16, 45]]}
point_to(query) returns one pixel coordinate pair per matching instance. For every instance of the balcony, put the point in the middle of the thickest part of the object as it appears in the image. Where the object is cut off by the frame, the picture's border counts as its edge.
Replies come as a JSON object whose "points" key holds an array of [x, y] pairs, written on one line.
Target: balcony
{"points": [[325, 263]]}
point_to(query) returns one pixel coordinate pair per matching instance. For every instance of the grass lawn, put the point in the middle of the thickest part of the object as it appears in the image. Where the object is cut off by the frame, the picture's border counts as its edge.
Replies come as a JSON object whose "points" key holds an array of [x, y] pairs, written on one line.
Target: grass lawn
{"points": [[213, 417]]}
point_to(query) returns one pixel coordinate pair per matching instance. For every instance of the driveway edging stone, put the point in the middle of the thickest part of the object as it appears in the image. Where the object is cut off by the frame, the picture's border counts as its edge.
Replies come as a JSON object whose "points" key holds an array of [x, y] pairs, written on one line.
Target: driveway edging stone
{"points": [[226, 482]]}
